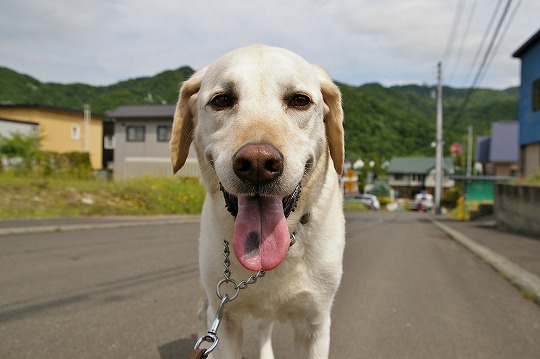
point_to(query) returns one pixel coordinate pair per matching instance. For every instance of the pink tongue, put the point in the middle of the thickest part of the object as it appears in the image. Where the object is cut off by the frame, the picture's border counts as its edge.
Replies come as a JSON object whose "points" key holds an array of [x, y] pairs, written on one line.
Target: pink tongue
{"points": [[261, 236]]}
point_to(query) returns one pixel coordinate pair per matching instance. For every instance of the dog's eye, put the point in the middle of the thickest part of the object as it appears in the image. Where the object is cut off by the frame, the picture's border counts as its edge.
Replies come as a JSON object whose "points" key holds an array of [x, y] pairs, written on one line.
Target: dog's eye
{"points": [[222, 101], [299, 101]]}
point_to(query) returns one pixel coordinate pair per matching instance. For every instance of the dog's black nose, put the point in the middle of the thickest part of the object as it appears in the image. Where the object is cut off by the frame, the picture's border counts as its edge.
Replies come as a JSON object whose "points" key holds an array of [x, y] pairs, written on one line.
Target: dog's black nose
{"points": [[258, 163]]}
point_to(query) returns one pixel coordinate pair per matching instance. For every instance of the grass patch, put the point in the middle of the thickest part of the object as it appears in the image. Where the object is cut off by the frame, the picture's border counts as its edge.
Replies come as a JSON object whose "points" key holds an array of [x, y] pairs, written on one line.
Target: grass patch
{"points": [[26, 197], [533, 179], [353, 206], [528, 295], [468, 207]]}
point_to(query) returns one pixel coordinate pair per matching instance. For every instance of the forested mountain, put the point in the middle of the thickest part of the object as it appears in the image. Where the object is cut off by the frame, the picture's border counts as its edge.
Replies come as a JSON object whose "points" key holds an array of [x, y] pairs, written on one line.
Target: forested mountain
{"points": [[384, 122], [16, 88], [380, 122]]}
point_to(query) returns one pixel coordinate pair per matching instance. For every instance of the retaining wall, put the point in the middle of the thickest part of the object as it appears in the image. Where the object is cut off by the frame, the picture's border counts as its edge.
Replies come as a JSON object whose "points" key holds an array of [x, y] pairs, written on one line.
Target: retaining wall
{"points": [[517, 207]]}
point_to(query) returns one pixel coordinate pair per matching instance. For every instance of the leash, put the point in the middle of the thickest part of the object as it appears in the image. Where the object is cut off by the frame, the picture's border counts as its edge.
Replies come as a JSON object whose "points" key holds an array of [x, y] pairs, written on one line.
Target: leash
{"points": [[211, 336]]}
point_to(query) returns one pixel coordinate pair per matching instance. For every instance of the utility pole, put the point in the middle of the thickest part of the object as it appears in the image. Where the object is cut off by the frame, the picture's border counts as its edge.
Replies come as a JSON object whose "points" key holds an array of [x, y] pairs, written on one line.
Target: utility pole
{"points": [[439, 143], [469, 150], [87, 119]]}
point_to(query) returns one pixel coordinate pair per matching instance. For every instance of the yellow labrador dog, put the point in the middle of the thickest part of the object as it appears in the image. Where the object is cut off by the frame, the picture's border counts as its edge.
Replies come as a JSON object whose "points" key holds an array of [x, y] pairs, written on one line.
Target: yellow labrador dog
{"points": [[268, 131]]}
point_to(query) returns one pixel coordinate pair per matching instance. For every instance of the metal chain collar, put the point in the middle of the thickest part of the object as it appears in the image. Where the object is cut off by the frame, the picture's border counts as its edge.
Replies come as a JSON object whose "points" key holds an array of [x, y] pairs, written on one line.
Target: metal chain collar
{"points": [[227, 276]]}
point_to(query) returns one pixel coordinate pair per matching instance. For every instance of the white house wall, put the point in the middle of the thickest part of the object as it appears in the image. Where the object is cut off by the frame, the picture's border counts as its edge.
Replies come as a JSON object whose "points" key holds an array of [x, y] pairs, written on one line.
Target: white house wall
{"points": [[430, 180], [148, 157], [7, 128]]}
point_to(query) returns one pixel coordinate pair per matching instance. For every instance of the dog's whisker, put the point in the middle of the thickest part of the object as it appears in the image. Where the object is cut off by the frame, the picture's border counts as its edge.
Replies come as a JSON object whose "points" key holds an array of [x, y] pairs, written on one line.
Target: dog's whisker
{"points": [[207, 170]]}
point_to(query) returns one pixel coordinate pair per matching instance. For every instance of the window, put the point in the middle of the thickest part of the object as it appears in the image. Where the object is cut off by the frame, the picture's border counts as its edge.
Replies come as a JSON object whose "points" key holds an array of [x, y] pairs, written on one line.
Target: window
{"points": [[418, 177], [75, 132], [135, 133], [536, 95], [164, 133], [398, 176], [109, 142]]}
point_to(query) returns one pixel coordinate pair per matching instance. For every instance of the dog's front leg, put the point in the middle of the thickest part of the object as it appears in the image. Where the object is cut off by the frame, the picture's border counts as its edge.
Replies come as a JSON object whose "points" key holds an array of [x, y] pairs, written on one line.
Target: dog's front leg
{"points": [[312, 338], [202, 315], [265, 338], [230, 335]]}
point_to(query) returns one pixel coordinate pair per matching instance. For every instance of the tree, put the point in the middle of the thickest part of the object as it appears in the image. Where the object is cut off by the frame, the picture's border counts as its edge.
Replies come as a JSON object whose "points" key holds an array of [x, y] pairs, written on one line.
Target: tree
{"points": [[20, 150]]}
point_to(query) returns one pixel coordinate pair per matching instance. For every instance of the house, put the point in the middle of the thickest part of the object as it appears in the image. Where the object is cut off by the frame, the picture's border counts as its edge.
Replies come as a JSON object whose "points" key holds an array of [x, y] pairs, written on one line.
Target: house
{"points": [[61, 130], [499, 153], [410, 175], [141, 142], [109, 143], [8, 126], [529, 105]]}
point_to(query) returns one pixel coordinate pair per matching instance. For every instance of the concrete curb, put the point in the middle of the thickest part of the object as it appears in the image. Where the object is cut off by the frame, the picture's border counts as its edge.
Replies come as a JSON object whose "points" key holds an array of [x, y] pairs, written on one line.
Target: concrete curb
{"points": [[518, 276], [82, 227]]}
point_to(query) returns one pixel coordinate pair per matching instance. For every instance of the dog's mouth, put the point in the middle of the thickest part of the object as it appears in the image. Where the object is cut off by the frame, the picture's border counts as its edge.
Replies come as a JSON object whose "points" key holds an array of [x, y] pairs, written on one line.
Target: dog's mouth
{"points": [[261, 236]]}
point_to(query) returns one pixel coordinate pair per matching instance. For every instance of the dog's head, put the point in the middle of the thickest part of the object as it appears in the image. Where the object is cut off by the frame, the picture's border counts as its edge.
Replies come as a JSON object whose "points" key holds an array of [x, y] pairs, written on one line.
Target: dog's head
{"points": [[261, 119]]}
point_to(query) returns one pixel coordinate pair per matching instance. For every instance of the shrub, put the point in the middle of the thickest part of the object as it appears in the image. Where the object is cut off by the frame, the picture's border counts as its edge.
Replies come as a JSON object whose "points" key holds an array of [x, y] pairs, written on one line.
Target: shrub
{"points": [[20, 151], [449, 200], [71, 164], [22, 155], [384, 200], [380, 189]]}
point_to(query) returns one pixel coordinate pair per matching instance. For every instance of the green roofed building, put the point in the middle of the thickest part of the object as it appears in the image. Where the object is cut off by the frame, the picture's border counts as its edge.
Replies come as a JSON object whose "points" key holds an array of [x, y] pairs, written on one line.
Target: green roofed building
{"points": [[410, 175]]}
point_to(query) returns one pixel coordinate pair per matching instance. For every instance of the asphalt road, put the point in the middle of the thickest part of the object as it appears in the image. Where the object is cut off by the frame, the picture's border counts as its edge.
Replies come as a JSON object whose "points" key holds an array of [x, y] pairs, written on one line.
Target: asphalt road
{"points": [[407, 292]]}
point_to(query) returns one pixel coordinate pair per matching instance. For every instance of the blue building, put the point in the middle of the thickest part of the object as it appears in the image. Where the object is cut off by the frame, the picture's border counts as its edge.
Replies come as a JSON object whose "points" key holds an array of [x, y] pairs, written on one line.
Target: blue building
{"points": [[529, 105]]}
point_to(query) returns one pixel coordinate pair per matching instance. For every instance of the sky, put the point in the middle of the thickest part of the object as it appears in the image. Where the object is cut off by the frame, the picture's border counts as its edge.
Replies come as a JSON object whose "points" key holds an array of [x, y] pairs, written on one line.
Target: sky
{"points": [[392, 42]]}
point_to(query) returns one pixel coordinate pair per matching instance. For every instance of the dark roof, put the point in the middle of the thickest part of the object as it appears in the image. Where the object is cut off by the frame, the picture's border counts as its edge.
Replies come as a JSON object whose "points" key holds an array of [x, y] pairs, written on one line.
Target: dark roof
{"points": [[527, 45], [19, 121], [143, 111], [501, 146], [482, 148], [504, 145], [417, 165], [49, 108]]}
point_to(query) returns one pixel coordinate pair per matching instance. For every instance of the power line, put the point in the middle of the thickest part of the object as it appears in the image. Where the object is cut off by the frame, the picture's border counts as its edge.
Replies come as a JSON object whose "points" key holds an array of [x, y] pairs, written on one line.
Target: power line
{"points": [[501, 38], [484, 38], [463, 39], [482, 64], [491, 43], [455, 24]]}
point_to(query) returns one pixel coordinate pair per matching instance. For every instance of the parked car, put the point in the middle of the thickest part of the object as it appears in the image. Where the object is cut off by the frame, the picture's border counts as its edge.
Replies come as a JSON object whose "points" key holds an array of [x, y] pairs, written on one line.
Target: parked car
{"points": [[368, 200]]}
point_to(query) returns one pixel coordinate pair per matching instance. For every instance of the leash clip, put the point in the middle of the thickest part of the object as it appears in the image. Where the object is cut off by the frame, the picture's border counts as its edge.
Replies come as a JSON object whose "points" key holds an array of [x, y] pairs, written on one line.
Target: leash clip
{"points": [[211, 337]]}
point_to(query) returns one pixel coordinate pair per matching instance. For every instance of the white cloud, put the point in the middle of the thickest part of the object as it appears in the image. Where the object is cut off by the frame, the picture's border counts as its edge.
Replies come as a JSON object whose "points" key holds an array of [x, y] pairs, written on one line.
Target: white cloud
{"points": [[357, 41]]}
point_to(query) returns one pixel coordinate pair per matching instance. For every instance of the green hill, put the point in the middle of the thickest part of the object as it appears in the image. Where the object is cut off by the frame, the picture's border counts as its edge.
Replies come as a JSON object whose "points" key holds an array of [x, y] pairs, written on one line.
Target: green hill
{"points": [[383, 122], [380, 122], [22, 89]]}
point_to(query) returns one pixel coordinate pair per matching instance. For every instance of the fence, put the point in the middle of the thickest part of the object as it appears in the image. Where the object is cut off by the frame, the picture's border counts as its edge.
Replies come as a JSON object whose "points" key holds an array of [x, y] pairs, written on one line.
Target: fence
{"points": [[159, 167]]}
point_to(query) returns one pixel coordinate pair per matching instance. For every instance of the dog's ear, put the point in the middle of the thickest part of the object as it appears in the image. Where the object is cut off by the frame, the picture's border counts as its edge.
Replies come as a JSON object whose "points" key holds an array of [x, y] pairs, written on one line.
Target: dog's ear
{"points": [[333, 118], [184, 120]]}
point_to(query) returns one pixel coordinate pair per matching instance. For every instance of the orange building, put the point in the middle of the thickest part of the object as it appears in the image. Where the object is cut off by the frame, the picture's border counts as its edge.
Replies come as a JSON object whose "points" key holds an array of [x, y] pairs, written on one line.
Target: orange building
{"points": [[62, 130]]}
